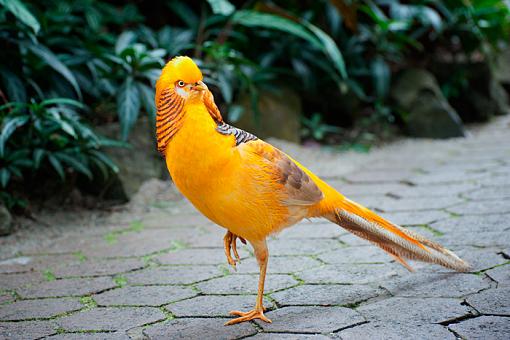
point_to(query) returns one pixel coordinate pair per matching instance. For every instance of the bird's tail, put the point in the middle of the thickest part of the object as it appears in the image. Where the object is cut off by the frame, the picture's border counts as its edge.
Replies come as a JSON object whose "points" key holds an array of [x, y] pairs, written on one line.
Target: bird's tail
{"points": [[398, 242]]}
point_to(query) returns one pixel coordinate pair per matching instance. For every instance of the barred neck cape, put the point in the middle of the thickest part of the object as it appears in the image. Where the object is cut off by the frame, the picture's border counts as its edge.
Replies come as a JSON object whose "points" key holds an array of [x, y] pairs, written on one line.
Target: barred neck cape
{"points": [[171, 111]]}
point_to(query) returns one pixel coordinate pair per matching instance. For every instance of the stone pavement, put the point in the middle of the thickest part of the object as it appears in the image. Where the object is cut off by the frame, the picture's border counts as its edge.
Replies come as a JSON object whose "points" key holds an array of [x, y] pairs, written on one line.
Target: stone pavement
{"points": [[160, 273]]}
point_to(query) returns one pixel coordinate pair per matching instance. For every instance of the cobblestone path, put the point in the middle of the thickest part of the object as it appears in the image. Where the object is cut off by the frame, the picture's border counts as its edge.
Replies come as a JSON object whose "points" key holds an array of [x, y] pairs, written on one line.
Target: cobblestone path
{"points": [[161, 273]]}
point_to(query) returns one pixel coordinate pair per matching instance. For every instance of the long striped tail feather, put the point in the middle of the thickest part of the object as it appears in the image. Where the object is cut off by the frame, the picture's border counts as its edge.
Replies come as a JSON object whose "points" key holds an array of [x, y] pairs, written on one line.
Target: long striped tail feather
{"points": [[399, 242]]}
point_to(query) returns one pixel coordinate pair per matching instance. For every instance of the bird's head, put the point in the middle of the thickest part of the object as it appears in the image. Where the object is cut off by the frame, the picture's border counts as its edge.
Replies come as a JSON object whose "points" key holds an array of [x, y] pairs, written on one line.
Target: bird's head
{"points": [[182, 76]]}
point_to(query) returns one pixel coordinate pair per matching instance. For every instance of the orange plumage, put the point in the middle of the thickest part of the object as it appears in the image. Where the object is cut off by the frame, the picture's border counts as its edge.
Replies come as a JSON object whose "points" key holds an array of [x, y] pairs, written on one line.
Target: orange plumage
{"points": [[253, 189]]}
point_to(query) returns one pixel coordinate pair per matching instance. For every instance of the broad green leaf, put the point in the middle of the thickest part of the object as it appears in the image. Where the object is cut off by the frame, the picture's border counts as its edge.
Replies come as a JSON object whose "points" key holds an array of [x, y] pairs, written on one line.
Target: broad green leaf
{"points": [[5, 175], [128, 105], [381, 76], [13, 85], [63, 101], [55, 63], [75, 163], [105, 160], [183, 11], [223, 7], [124, 40], [147, 96], [18, 9], [38, 156], [57, 166], [9, 126]]}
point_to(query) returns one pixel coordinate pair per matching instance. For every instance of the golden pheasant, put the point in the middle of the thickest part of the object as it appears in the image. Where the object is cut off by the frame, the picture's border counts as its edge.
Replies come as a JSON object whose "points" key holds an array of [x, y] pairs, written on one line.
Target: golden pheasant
{"points": [[251, 188]]}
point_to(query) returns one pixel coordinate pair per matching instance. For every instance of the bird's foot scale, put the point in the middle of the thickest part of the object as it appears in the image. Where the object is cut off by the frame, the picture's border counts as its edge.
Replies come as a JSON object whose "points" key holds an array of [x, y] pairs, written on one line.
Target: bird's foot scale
{"points": [[247, 316]]}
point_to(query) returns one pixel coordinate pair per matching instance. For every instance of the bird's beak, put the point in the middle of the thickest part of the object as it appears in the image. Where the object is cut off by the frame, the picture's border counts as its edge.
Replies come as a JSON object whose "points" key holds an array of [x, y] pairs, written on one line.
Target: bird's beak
{"points": [[199, 86]]}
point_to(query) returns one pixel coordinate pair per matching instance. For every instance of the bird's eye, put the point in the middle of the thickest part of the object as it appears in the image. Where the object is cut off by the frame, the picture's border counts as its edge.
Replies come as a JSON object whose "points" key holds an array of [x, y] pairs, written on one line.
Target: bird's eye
{"points": [[180, 83]]}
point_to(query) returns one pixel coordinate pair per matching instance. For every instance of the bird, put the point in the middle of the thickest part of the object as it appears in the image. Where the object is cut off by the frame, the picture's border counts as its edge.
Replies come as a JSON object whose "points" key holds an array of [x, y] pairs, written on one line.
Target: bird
{"points": [[254, 190]]}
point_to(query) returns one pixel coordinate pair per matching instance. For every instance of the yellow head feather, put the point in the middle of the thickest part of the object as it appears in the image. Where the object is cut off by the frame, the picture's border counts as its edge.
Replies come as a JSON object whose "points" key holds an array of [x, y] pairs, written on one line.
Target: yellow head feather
{"points": [[179, 68]]}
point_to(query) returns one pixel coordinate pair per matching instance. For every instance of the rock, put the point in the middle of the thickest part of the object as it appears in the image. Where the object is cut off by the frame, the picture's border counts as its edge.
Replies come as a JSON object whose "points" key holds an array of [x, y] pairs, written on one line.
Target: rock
{"points": [[428, 113], [502, 67], [280, 113], [6, 226], [137, 164]]}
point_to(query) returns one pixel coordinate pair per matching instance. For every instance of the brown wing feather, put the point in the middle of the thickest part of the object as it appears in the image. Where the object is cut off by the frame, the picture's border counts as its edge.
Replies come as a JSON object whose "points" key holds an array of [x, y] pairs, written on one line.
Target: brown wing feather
{"points": [[298, 187]]}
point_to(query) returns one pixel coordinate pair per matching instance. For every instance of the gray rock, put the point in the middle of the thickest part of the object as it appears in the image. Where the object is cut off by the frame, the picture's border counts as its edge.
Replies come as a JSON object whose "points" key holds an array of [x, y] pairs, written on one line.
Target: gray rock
{"points": [[26, 330], [326, 295], [110, 319], [91, 336], [245, 284], [501, 275], [198, 328], [275, 107], [483, 327], [39, 308], [143, 296], [492, 301], [214, 305], [350, 273], [173, 275], [6, 226], [428, 112], [395, 331], [310, 319], [67, 287]]}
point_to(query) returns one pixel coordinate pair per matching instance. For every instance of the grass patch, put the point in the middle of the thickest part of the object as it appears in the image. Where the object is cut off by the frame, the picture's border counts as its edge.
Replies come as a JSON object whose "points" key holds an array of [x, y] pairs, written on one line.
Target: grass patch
{"points": [[120, 280], [48, 275]]}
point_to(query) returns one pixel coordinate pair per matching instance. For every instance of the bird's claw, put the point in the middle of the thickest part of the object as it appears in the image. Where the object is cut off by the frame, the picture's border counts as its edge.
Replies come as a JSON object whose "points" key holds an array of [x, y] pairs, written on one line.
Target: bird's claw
{"points": [[230, 244], [247, 316]]}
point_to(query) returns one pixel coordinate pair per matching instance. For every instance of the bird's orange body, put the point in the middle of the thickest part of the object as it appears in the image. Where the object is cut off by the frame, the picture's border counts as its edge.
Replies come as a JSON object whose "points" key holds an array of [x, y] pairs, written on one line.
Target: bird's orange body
{"points": [[253, 189]]}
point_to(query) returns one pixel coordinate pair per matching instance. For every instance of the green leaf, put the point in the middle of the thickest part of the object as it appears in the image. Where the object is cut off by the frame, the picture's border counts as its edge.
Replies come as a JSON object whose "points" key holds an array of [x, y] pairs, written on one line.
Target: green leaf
{"points": [[9, 126], [223, 7], [38, 155], [147, 96], [18, 9], [128, 104], [13, 85], [330, 48], [5, 175], [183, 11], [74, 163], [55, 63], [57, 166], [105, 160], [124, 40], [381, 76], [63, 101]]}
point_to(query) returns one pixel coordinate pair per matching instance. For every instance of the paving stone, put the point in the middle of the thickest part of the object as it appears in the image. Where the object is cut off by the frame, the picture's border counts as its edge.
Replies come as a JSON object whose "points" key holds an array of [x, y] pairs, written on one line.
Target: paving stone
{"points": [[22, 264], [26, 330], [372, 254], [482, 207], [447, 177], [40, 308], [492, 301], [480, 258], [483, 327], [378, 176], [214, 305], [67, 287], [98, 267], [91, 336], [278, 265], [395, 331], [471, 238], [350, 273], [197, 256], [441, 190], [325, 295], [278, 247], [310, 319], [15, 281], [412, 311], [200, 328], [165, 220], [424, 284], [173, 275], [474, 223], [489, 193], [306, 230], [143, 295], [367, 189], [287, 336], [416, 217], [501, 275], [419, 203], [245, 284], [110, 319], [6, 298]]}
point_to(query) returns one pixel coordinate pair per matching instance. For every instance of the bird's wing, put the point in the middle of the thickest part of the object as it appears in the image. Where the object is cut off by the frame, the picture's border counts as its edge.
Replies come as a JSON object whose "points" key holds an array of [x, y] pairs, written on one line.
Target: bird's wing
{"points": [[285, 176]]}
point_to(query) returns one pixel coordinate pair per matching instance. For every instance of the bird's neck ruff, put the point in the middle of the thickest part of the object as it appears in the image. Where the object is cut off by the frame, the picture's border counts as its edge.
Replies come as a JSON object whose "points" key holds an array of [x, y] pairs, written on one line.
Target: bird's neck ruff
{"points": [[169, 117]]}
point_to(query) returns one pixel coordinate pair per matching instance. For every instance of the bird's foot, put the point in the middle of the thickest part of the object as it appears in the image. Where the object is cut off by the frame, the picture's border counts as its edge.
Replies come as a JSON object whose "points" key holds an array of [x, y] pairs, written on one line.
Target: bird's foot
{"points": [[247, 316], [230, 244]]}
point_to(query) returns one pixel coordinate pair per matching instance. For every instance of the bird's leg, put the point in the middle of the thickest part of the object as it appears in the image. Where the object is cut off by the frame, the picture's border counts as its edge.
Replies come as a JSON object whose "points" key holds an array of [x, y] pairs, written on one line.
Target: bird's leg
{"points": [[262, 255], [230, 243]]}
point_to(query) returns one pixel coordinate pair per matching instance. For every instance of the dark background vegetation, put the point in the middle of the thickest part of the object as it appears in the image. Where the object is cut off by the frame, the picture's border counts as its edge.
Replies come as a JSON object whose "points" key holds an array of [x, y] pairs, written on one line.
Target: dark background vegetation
{"points": [[69, 68]]}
